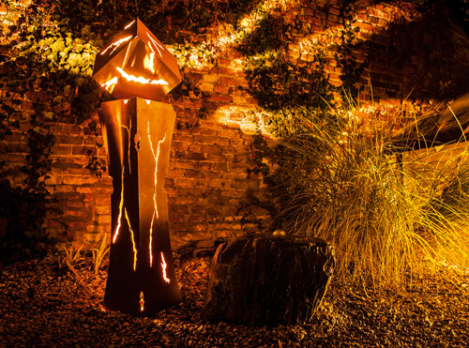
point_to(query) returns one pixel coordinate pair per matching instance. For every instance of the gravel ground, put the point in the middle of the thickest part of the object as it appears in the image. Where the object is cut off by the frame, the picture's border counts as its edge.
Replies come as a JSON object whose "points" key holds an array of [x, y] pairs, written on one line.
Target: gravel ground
{"points": [[44, 305]]}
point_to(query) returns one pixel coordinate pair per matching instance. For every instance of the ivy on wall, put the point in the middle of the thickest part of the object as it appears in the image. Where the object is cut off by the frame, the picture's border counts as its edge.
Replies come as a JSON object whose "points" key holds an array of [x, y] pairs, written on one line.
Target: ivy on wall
{"points": [[45, 75], [47, 69], [286, 87]]}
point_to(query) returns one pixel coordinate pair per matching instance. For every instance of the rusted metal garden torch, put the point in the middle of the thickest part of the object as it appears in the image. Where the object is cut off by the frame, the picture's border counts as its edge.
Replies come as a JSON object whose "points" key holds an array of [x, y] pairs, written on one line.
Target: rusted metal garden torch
{"points": [[138, 71]]}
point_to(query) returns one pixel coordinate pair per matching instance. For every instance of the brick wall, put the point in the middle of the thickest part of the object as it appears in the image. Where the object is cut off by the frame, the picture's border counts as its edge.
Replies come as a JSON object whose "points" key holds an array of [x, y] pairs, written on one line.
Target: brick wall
{"points": [[212, 162]]}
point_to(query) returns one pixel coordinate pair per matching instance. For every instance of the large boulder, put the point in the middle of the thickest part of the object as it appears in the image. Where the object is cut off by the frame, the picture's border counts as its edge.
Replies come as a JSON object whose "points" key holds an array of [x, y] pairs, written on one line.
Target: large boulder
{"points": [[268, 279]]}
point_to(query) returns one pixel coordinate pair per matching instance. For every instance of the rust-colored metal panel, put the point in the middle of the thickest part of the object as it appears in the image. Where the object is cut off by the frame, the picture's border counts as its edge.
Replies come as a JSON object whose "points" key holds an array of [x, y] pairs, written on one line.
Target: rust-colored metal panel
{"points": [[136, 64], [141, 277]]}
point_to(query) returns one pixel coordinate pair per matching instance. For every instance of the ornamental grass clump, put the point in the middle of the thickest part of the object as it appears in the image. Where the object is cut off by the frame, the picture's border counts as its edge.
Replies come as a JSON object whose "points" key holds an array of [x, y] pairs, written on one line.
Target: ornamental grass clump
{"points": [[391, 215]]}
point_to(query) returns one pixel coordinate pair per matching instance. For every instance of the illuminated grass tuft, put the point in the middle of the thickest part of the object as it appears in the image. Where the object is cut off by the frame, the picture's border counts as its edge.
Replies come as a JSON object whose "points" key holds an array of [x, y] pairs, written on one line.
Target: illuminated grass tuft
{"points": [[392, 216]]}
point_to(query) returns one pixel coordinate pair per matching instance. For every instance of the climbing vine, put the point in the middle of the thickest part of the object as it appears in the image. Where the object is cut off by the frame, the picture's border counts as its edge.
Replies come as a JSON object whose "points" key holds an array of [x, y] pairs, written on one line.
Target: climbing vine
{"points": [[45, 75], [45, 72]]}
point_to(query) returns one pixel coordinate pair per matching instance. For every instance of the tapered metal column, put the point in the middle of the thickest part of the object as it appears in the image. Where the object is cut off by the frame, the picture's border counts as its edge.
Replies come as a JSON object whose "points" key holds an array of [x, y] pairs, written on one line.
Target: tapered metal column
{"points": [[138, 134]]}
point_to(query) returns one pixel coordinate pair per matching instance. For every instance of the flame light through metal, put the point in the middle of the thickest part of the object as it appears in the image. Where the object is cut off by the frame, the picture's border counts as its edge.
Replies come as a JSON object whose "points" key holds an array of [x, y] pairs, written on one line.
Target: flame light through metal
{"points": [[137, 128], [136, 64]]}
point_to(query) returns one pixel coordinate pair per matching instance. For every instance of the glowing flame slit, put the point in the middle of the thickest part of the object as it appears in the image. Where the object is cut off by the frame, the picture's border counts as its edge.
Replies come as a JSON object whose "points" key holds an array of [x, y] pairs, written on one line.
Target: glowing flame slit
{"points": [[129, 25], [121, 206], [126, 56], [151, 240], [155, 193], [110, 84], [156, 168], [163, 267], [117, 44], [158, 46], [141, 79], [149, 61], [152, 62], [127, 129], [142, 302], [133, 239]]}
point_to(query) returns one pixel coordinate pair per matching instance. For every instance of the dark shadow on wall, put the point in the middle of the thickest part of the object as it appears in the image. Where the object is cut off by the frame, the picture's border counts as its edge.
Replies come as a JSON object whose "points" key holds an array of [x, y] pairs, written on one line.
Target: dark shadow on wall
{"points": [[426, 59]]}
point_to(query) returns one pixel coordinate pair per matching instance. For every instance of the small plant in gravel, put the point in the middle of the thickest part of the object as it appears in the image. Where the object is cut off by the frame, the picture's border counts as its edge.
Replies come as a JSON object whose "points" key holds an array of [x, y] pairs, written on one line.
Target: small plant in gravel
{"points": [[100, 252], [89, 256]]}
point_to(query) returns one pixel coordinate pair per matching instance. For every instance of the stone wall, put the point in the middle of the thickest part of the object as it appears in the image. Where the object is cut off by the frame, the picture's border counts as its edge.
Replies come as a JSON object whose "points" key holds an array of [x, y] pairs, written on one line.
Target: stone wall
{"points": [[213, 177]]}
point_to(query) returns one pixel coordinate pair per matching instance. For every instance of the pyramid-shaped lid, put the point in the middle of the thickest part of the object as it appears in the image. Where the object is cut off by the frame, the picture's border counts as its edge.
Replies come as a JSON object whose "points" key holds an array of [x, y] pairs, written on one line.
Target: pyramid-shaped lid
{"points": [[136, 64]]}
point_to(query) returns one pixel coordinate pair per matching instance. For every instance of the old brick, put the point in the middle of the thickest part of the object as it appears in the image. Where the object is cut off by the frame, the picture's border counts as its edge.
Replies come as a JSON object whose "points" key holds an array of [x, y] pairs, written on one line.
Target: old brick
{"points": [[181, 200], [383, 23], [216, 158], [220, 184], [183, 137], [54, 223], [202, 166], [197, 218], [70, 129], [102, 210], [208, 131], [213, 175], [189, 173], [78, 180], [228, 81], [62, 149], [102, 219], [184, 183], [78, 225], [224, 70], [71, 161], [222, 89], [224, 62], [176, 218], [17, 147], [222, 141], [211, 78], [206, 139], [221, 98], [73, 215], [195, 156], [207, 87], [68, 139], [235, 175], [74, 203], [237, 142], [99, 229], [219, 167], [180, 208], [78, 171], [180, 228]]}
